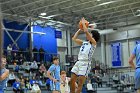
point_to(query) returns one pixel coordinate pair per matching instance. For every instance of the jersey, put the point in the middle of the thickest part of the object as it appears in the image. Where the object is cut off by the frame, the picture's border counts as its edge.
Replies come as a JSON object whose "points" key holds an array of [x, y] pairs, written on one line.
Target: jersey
{"points": [[136, 52], [55, 71], [86, 51], [64, 85], [3, 82]]}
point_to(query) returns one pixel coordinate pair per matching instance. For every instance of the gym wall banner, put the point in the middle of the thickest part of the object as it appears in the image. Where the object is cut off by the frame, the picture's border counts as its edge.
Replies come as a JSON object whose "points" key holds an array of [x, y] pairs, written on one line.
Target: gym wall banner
{"points": [[116, 54], [137, 42], [58, 34]]}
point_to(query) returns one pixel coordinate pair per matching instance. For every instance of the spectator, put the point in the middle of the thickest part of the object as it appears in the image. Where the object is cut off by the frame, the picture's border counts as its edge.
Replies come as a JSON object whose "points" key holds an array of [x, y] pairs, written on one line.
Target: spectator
{"points": [[90, 75], [42, 69], [94, 79], [15, 58], [44, 76], [41, 54], [12, 78], [115, 79], [35, 88], [9, 49], [97, 67], [22, 85], [26, 67], [21, 77], [48, 83], [20, 59], [40, 83], [124, 84], [32, 81], [15, 48], [35, 53], [16, 86], [34, 66], [16, 67], [27, 84], [99, 81], [89, 87]]}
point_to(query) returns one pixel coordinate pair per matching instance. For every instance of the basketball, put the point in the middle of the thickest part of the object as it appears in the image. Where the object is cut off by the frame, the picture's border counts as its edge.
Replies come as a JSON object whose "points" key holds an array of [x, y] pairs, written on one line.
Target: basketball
{"points": [[81, 25]]}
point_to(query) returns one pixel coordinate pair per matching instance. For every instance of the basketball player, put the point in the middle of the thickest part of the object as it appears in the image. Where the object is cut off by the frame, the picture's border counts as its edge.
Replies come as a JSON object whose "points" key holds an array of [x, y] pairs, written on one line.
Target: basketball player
{"points": [[4, 73], [53, 74], [82, 67], [136, 53], [64, 80]]}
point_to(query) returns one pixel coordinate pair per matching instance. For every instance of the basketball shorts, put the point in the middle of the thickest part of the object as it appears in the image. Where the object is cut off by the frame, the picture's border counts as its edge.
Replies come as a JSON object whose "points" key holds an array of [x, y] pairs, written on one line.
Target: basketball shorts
{"points": [[54, 86], [81, 68], [137, 78]]}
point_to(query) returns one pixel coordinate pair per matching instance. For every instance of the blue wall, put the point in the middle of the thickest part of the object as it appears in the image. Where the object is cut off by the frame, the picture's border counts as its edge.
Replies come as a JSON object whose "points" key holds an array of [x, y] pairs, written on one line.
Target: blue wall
{"points": [[23, 41], [48, 41]]}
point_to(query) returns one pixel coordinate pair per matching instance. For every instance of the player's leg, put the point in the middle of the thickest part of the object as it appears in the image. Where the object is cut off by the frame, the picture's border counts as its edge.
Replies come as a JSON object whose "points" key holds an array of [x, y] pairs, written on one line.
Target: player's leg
{"points": [[57, 87], [81, 81], [84, 69], [72, 82], [74, 76]]}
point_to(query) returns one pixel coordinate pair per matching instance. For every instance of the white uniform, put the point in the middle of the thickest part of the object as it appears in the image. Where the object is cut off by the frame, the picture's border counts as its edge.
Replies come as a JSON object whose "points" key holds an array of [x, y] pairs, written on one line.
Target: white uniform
{"points": [[83, 65]]}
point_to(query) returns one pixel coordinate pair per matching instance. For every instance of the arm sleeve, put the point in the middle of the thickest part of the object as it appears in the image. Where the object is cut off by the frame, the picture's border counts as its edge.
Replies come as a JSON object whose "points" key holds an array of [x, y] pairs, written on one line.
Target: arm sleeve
{"points": [[134, 51], [52, 68]]}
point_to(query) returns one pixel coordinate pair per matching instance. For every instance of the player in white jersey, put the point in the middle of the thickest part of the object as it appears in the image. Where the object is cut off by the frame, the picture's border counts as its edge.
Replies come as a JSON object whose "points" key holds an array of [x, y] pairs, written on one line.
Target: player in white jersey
{"points": [[82, 67]]}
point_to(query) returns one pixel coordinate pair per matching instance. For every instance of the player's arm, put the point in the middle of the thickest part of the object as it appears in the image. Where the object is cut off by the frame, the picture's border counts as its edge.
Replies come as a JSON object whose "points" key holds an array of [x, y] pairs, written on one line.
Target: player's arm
{"points": [[132, 57], [49, 75], [92, 40], [4, 75], [131, 63], [75, 39]]}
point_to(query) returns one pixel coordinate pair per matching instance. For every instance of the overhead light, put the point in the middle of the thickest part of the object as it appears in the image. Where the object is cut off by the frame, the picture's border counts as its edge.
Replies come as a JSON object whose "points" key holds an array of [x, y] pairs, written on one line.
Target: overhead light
{"points": [[43, 14], [51, 16], [138, 15], [98, 0], [44, 17], [59, 22], [138, 10], [41, 33]]}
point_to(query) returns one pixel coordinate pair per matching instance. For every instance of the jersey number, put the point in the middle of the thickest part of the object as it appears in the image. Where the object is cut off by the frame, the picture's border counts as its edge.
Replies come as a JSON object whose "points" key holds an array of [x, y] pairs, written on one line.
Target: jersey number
{"points": [[82, 48]]}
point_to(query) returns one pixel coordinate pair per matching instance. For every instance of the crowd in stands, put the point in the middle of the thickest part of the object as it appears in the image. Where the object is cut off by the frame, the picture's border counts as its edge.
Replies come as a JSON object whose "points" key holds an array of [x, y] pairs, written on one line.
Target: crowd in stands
{"points": [[34, 79], [26, 74], [94, 80]]}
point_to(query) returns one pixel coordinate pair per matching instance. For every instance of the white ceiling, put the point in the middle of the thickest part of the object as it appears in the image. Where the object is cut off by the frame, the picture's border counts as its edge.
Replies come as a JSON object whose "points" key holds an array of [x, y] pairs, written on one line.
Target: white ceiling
{"points": [[108, 13]]}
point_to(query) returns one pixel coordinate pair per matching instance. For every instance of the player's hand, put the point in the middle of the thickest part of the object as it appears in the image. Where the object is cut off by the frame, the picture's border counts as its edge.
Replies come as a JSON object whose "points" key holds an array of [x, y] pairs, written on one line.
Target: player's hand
{"points": [[85, 31], [55, 80], [83, 20]]}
